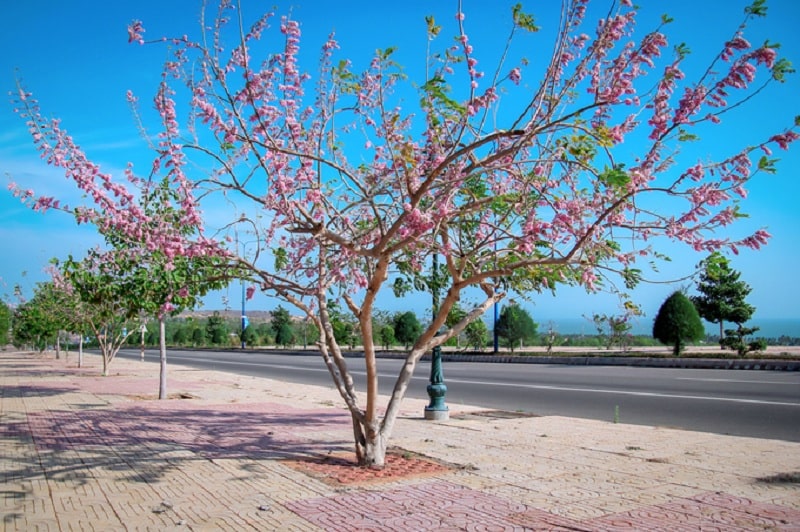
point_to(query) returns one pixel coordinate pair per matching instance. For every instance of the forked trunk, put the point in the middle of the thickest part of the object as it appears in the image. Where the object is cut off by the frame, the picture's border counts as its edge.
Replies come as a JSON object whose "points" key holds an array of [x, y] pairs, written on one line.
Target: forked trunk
{"points": [[370, 446]]}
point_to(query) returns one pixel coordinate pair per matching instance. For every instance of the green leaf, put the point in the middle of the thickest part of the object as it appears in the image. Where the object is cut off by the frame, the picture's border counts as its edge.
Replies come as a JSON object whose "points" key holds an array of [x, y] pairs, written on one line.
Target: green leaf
{"points": [[682, 50], [614, 177], [782, 67], [632, 277], [523, 20], [767, 165], [436, 89], [758, 8], [385, 54], [433, 29], [281, 259]]}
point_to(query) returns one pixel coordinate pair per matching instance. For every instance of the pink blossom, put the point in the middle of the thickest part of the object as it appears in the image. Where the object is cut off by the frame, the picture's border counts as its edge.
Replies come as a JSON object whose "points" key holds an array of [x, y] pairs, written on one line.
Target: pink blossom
{"points": [[135, 31], [784, 139]]}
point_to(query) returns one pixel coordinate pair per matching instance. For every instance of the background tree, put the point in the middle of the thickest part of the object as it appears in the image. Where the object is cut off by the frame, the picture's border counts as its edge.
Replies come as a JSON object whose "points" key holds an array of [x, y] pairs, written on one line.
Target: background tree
{"points": [[264, 332], [249, 336], [387, 338], [281, 325], [515, 326], [180, 335], [199, 336], [738, 339], [453, 318], [477, 334], [217, 330], [109, 296], [677, 322], [31, 328], [722, 298], [407, 328], [616, 329], [37, 322], [498, 173], [284, 335], [5, 324]]}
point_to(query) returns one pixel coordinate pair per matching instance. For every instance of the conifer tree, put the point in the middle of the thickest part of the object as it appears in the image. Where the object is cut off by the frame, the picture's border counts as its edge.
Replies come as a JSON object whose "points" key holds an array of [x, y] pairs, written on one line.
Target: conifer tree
{"points": [[677, 322], [515, 325], [722, 298]]}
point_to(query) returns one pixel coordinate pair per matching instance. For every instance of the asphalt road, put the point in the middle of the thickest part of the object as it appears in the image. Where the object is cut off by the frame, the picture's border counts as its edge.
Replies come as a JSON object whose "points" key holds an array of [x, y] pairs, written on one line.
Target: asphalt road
{"points": [[762, 404]]}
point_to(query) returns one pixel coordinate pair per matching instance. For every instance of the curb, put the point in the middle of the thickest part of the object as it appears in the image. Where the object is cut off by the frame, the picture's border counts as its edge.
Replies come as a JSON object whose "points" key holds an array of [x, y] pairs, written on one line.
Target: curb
{"points": [[694, 363]]}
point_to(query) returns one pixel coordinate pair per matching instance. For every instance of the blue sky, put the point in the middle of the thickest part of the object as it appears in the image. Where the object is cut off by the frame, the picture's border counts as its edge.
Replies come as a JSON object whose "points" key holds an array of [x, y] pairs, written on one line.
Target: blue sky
{"points": [[75, 58]]}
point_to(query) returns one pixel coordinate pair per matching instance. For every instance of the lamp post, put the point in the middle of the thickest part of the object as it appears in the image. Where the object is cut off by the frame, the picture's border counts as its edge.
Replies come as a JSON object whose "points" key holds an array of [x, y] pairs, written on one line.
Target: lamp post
{"points": [[244, 317], [244, 314], [437, 410], [496, 342]]}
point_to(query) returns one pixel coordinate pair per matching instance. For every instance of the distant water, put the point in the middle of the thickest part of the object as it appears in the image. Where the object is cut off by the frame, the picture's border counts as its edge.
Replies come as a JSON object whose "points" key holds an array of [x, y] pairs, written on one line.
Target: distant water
{"points": [[770, 328]]}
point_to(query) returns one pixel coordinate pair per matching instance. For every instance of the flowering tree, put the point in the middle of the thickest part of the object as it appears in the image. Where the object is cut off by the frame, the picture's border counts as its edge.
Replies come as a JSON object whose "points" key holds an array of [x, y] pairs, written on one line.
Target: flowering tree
{"points": [[129, 280], [528, 196], [161, 285]]}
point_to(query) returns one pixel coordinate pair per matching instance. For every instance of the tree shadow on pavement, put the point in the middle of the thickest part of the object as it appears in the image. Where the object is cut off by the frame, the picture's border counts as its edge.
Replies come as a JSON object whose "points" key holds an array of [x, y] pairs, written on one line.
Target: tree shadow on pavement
{"points": [[144, 443], [23, 390]]}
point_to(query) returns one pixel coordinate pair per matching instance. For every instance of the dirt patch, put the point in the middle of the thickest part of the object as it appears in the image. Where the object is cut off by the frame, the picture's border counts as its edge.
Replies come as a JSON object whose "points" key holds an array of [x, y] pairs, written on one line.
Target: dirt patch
{"points": [[342, 470], [153, 397]]}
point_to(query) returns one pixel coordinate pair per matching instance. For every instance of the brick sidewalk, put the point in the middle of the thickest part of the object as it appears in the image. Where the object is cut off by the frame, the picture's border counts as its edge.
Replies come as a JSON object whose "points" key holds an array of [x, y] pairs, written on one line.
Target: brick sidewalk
{"points": [[83, 452]]}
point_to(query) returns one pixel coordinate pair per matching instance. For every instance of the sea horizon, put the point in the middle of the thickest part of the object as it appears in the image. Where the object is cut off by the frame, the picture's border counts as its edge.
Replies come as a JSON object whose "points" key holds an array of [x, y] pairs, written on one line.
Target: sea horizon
{"points": [[768, 327]]}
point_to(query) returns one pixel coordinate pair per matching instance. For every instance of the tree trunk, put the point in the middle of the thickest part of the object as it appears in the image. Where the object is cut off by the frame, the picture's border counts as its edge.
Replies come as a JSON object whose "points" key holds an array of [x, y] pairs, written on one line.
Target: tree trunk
{"points": [[141, 345], [162, 348], [721, 333], [370, 445], [80, 352], [58, 347]]}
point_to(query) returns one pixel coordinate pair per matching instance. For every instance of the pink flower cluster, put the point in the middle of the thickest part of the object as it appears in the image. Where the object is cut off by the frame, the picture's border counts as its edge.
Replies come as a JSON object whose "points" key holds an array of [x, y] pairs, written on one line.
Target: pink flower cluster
{"points": [[135, 31]]}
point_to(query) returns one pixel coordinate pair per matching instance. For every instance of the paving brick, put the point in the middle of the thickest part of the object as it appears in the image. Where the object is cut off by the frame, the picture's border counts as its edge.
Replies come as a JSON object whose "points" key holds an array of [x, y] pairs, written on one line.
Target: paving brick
{"points": [[79, 452]]}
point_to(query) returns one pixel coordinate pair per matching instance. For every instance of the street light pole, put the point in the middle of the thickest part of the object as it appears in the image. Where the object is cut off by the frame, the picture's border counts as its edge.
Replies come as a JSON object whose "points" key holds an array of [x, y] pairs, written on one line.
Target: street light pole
{"points": [[244, 317], [244, 296], [437, 410], [494, 331]]}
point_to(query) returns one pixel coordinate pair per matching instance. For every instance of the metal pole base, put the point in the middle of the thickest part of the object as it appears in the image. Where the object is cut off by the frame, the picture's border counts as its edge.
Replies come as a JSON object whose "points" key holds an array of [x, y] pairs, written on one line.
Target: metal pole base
{"points": [[437, 409], [437, 415]]}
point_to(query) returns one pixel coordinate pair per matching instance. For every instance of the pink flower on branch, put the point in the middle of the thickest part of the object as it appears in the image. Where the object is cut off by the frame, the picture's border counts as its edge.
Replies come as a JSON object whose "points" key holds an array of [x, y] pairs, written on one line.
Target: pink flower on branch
{"points": [[135, 31], [548, 189]]}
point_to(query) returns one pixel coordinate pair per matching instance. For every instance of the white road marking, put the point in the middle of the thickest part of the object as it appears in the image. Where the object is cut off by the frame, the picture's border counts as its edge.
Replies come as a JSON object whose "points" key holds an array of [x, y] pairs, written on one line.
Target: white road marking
{"points": [[733, 380], [625, 392], [529, 386]]}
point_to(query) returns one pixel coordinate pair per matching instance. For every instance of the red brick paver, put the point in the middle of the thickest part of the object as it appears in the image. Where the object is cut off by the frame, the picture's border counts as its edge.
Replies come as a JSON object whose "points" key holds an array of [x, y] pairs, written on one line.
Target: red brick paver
{"points": [[78, 451]]}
